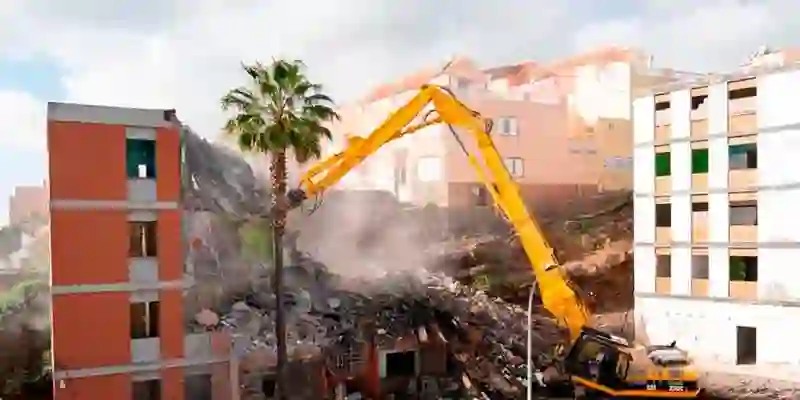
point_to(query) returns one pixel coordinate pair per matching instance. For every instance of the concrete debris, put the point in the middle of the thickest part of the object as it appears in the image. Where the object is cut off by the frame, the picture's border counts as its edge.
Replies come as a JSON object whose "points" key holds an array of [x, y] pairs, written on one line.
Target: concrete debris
{"points": [[486, 336]]}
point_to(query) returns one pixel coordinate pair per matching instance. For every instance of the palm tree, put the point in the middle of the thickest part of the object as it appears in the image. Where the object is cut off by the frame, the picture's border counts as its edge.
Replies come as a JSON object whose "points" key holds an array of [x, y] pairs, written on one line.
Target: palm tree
{"points": [[279, 112]]}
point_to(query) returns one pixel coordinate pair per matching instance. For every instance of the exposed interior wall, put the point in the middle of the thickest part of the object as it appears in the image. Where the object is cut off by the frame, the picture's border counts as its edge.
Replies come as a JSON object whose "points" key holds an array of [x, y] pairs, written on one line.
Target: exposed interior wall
{"points": [[778, 199], [707, 329]]}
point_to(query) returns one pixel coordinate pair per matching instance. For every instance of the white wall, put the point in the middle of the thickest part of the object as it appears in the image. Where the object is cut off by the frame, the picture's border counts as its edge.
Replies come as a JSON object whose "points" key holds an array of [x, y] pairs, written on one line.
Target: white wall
{"points": [[718, 213], [778, 148], [603, 91], [707, 329], [644, 205]]}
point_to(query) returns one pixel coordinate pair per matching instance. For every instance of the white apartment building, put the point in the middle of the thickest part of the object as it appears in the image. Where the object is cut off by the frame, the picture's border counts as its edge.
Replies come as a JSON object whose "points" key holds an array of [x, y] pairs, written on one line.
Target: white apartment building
{"points": [[717, 205]]}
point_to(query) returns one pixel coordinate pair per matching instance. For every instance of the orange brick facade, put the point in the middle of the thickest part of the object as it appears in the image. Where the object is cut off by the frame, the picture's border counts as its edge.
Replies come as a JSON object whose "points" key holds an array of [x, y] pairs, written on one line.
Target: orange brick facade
{"points": [[90, 239]]}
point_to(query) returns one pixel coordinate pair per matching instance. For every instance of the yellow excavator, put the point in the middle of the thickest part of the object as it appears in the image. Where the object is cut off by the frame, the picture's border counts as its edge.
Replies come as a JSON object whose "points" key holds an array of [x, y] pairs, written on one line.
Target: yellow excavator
{"points": [[595, 364]]}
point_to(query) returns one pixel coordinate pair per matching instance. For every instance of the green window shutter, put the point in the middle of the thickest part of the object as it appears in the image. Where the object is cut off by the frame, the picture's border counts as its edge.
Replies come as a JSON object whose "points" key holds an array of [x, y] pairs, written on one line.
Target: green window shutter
{"points": [[662, 164], [700, 161]]}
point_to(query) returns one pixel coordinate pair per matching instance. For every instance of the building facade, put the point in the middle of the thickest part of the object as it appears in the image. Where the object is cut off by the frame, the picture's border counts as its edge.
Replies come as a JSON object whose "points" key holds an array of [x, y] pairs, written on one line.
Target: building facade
{"points": [[564, 129], [118, 311], [28, 202], [715, 202]]}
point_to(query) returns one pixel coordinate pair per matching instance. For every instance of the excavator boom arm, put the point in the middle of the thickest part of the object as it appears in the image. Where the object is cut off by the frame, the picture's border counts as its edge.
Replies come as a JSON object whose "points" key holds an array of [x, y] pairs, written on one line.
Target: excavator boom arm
{"points": [[557, 295]]}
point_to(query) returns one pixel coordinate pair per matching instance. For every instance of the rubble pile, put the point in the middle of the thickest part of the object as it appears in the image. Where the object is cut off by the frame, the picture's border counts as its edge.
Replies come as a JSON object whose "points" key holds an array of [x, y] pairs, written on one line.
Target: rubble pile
{"points": [[328, 315]]}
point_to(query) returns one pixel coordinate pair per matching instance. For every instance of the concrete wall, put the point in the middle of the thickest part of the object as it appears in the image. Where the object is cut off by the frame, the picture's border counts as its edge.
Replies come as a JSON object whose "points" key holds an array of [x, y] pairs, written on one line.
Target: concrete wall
{"points": [[779, 182], [644, 204], [707, 329]]}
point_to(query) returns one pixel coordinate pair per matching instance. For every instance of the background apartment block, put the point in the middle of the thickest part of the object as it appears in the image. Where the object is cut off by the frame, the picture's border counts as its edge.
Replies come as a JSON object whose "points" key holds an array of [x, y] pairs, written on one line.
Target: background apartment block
{"points": [[564, 128], [118, 275], [28, 202], [716, 200]]}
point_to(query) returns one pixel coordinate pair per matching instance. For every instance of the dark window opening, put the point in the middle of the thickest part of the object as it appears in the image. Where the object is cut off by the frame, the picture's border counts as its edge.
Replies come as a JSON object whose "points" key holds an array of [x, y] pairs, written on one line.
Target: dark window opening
{"points": [[663, 215], [663, 266], [143, 241], [268, 386], [401, 364], [700, 161], [662, 105], [743, 269], [743, 156], [144, 320], [744, 213], [140, 160], [147, 390], [746, 345], [198, 387], [742, 93], [697, 101], [699, 267], [482, 197], [663, 164], [699, 207]]}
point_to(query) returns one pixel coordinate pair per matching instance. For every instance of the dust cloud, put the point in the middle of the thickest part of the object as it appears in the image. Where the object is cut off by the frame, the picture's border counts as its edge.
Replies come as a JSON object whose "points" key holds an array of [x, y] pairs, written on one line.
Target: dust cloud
{"points": [[366, 234]]}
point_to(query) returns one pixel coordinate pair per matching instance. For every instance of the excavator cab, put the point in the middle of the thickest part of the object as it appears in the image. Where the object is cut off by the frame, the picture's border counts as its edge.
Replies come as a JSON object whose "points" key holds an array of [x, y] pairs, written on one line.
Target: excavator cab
{"points": [[599, 358], [600, 364]]}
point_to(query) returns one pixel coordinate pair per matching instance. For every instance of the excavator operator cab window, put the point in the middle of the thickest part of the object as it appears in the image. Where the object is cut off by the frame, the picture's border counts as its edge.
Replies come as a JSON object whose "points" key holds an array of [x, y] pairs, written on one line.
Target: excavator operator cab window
{"points": [[595, 359]]}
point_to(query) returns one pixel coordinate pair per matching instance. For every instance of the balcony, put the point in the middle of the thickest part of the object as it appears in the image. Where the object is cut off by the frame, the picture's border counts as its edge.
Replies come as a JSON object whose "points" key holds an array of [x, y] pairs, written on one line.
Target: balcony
{"points": [[700, 227], [663, 235], [743, 233], [700, 287], [143, 270], [663, 185], [145, 350], [662, 134], [742, 106], [743, 290], [699, 127], [700, 183], [663, 285], [743, 180]]}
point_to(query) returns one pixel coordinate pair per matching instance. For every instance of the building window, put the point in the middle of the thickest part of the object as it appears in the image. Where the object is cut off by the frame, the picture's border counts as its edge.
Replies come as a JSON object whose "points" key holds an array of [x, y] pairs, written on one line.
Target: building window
{"points": [[743, 156], [198, 387], [143, 239], [481, 196], [140, 158], [144, 320], [663, 215], [147, 390], [401, 364], [699, 267], [744, 213], [460, 83], [662, 113], [700, 161], [507, 126], [515, 166], [663, 164], [743, 269], [429, 169], [663, 266], [746, 345]]}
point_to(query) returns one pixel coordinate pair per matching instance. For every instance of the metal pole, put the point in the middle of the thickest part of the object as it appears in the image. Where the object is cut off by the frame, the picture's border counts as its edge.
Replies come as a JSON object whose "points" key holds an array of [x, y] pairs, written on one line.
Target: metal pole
{"points": [[530, 341]]}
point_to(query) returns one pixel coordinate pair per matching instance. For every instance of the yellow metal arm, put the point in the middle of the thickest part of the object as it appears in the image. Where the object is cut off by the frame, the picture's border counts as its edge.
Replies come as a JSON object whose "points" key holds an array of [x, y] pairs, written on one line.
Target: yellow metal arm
{"points": [[556, 294]]}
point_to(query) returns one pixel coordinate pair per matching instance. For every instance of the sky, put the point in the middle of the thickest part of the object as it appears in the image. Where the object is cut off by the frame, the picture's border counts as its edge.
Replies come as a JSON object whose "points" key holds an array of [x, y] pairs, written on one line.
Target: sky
{"points": [[185, 54]]}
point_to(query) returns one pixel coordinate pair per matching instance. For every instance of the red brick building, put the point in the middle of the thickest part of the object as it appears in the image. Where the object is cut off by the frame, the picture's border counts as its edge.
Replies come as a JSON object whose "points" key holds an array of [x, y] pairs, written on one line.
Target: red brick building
{"points": [[118, 274]]}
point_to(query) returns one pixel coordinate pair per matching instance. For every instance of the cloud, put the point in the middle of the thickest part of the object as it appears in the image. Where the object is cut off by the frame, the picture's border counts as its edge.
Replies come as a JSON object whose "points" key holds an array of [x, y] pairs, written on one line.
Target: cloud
{"points": [[703, 36], [184, 54], [22, 121]]}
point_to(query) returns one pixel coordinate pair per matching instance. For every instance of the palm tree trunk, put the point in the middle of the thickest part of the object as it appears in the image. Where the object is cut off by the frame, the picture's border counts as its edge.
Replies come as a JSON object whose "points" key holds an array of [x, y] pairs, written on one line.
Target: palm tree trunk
{"points": [[278, 169]]}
